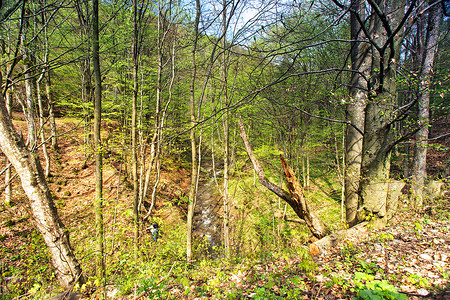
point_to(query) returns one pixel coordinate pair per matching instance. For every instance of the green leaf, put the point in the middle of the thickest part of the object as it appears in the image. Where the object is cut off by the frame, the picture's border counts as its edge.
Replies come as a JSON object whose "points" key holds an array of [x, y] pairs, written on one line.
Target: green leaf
{"points": [[269, 284], [185, 281]]}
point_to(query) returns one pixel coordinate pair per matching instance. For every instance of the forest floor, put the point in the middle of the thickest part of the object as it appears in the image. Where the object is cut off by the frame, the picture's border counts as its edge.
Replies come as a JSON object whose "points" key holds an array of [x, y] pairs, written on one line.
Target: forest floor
{"points": [[408, 259]]}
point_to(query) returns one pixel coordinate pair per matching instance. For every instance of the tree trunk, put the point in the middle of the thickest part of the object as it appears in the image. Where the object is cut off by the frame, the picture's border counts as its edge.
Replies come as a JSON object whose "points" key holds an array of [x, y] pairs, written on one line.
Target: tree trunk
{"points": [[98, 144], [8, 170], [307, 170], [359, 232], [426, 76], [379, 120], [226, 133], [83, 13], [51, 112], [194, 171], [361, 61], [303, 166], [28, 167], [134, 144], [301, 208], [41, 124], [29, 101], [376, 162], [46, 77], [156, 145]]}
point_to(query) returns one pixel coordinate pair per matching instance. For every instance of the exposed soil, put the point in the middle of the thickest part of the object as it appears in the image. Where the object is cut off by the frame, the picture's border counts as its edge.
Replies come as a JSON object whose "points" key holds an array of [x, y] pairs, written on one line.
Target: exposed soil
{"points": [[73, 185]]}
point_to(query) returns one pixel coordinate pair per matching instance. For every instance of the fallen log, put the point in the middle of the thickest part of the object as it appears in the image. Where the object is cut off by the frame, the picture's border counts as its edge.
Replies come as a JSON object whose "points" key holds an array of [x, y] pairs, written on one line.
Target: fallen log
{"points": [[357, 232]]}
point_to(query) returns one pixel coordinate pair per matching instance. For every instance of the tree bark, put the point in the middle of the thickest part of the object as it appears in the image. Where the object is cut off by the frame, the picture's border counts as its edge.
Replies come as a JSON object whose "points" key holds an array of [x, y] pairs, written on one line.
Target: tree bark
{"points": [[226, 133], [29, 99], [47, 221], [51, 111], [84, 18], [100, 271], [8, 170], [333, 240], [379, 120], [426, 76], [193, 123], [361, 61], [134, 138], [375, 164], [295, 199], [312, 221], [41, 123]]}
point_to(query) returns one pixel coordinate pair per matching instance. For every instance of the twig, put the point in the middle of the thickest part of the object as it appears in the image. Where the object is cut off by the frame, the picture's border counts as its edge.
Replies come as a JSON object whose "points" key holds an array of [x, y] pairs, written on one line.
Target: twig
{"points": [[168, 274], [386, 258], [299, 221]]}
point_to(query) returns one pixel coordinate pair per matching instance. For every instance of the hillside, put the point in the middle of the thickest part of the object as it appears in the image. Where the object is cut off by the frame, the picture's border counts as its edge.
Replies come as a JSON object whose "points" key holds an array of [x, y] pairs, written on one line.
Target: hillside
{"points": [[410, 258]]}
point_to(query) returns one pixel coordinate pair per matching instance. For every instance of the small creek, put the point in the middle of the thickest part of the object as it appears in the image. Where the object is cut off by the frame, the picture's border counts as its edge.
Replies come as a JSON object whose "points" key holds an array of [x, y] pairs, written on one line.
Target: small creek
{"points": [[207, 213]]}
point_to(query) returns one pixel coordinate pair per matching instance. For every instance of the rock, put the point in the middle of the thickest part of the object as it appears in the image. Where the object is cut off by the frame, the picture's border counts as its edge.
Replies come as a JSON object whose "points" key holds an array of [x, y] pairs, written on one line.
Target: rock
{"points": [[434, 189], [423, 292], [407, 289], [394, 192], [68, 295], [425, 256], [111, 292]]}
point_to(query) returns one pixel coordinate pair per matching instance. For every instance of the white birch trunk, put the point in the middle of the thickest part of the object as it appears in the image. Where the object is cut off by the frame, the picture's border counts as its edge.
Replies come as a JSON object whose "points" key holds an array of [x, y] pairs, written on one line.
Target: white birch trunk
{"points": [[28, 167]]}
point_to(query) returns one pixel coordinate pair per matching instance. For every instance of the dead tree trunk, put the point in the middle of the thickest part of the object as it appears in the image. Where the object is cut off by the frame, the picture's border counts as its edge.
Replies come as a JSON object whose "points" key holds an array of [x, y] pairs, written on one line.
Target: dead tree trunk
{"points": [[295, 199], [301, 206]]}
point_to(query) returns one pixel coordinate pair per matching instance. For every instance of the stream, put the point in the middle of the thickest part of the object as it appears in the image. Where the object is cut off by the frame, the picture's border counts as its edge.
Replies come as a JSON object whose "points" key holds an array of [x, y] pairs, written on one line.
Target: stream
{"points": [[207, 214]]}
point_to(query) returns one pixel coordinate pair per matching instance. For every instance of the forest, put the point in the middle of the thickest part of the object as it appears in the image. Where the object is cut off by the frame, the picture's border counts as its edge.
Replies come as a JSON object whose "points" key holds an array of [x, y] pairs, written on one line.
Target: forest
{"points": [[239, 149]]}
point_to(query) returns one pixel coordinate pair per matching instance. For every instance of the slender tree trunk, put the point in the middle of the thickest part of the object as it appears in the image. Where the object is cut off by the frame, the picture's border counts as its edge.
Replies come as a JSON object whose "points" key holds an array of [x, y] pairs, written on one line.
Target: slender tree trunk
{"points": [[142, 145], [29, 99], [98, 143], [303, 167], [45, 215], [426, 76], [48, 92], [148, 173], [158, 149], [158, 118], [226, 133], [134, 144], [343, 176], [86, 95], [307, 170], [8, 170], [51, 112], [84, 14], [159, 113], [41, 124], [194, 171]]}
